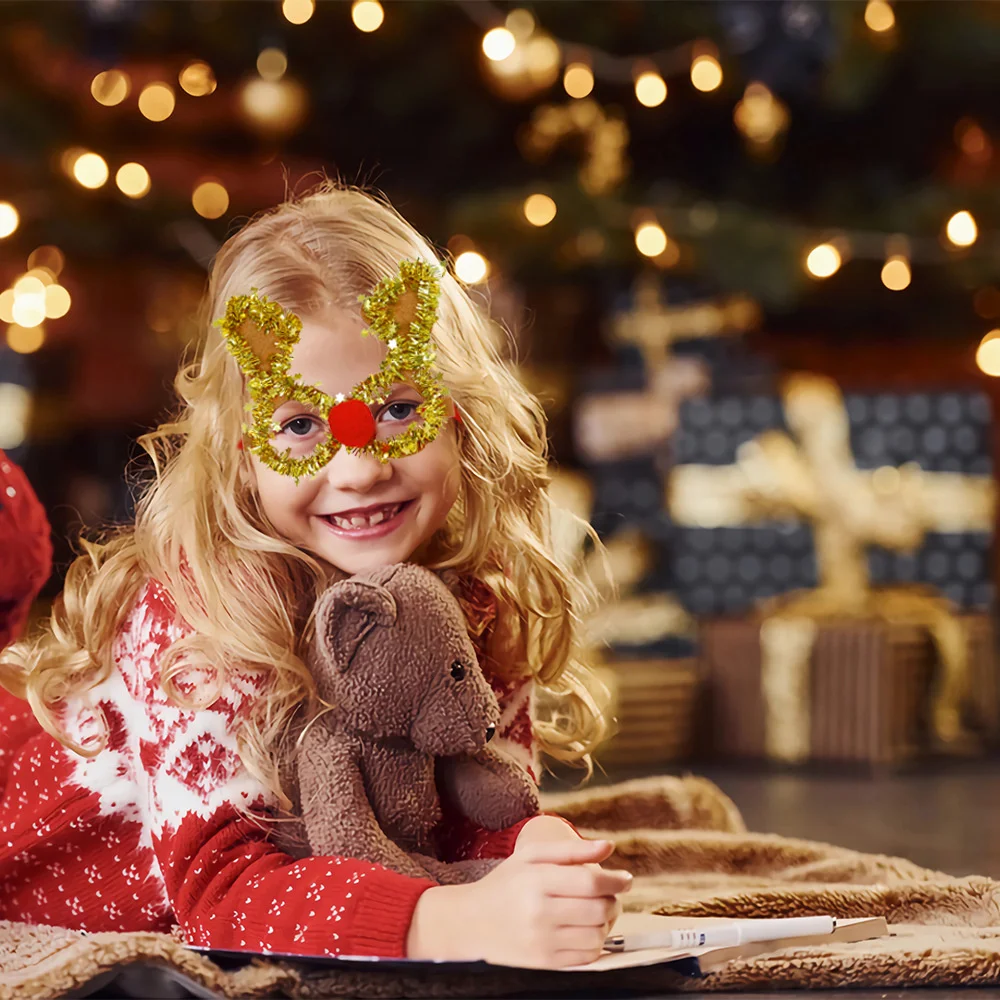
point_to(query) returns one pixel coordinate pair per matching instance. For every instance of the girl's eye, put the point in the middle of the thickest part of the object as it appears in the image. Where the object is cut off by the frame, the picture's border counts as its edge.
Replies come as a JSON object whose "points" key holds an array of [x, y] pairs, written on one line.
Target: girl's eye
{"points": [[400, 410], [300, 426]]}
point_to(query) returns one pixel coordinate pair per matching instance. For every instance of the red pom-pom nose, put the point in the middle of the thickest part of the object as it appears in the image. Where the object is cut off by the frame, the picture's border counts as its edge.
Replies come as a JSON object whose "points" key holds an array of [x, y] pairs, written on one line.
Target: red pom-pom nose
{"points": [[352, 423]]}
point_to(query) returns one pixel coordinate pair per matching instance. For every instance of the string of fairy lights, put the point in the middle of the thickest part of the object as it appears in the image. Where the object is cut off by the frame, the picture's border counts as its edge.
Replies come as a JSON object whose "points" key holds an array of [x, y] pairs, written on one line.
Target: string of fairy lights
{"points": [[520, 59]]}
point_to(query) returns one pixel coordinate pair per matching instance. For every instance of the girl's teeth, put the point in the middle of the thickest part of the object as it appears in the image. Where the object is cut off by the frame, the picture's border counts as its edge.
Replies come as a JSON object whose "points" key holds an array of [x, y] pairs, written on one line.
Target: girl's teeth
{"points": [[360, 521]]}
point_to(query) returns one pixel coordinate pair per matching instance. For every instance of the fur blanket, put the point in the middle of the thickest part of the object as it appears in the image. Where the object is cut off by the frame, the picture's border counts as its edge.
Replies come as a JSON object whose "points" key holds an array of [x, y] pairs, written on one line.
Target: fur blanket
{"points": [[686, 844]]}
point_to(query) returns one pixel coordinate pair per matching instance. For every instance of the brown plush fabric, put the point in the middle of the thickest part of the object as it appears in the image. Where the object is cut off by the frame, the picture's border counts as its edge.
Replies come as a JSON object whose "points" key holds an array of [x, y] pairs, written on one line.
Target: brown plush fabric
{"points": [[946, 931], [413, 711]]}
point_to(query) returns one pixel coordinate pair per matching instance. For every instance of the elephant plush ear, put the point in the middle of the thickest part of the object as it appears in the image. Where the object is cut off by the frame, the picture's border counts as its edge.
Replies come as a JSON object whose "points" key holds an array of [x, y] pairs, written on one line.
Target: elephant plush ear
{"points": [[345, 614]]}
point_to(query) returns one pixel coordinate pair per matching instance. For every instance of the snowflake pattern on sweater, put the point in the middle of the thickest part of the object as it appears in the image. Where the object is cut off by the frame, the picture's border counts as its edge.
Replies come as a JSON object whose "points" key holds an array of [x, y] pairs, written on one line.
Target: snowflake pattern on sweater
{"points": [[149, 833]]}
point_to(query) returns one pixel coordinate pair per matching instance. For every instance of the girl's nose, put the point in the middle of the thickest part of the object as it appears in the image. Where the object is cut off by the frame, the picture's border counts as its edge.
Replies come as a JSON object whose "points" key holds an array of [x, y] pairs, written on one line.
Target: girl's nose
{"points": [[357, 471]]}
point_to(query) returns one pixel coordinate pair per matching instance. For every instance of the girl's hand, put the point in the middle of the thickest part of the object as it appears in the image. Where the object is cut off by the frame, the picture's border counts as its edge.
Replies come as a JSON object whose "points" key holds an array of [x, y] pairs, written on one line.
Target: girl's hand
{"points": [[544, 829], [547, 906]]}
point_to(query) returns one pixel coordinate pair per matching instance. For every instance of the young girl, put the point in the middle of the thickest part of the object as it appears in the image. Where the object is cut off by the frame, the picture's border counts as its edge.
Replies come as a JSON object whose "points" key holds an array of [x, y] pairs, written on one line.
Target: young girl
{"points": [[173, 667]]}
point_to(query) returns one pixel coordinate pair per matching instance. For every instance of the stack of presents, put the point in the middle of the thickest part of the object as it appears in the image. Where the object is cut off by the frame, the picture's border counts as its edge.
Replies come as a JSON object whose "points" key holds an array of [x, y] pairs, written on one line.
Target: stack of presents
{"points": [[804, 574]]}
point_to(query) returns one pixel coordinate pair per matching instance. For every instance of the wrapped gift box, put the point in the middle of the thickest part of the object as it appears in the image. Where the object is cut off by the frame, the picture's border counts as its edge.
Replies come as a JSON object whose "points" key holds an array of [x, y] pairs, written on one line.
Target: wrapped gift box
{"points": [[656, 703], [868, 690], [729, 569]]}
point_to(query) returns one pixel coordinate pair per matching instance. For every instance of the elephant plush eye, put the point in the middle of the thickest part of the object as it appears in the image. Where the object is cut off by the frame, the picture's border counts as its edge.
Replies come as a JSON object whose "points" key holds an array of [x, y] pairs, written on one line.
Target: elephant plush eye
{"points": [[457, 670]]}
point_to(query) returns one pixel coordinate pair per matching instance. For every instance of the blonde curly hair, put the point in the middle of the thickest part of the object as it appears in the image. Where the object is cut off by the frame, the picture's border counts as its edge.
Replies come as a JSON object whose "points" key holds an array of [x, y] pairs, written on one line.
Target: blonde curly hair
{"points": [[200, 530]]}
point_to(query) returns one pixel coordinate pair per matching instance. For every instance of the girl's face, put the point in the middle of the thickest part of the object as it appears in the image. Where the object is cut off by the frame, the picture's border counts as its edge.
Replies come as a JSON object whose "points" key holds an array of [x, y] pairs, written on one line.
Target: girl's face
{"points": [[356, 513]]}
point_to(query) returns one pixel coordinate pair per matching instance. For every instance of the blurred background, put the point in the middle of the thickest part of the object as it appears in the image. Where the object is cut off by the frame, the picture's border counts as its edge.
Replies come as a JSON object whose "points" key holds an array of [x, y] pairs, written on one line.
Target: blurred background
{"points": [[747, 253]]}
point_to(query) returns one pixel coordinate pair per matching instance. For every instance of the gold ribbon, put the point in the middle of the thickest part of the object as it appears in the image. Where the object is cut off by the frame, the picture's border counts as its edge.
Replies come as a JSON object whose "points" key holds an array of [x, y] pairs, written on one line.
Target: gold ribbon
{"points": [[786, 646]]}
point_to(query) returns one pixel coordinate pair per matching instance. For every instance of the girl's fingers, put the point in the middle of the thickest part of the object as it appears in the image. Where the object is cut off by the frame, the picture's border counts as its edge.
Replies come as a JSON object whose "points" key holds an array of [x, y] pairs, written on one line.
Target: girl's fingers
{"points": [[564, 911], [565, 958], [566, 852], [578, 939], [584, 883]]}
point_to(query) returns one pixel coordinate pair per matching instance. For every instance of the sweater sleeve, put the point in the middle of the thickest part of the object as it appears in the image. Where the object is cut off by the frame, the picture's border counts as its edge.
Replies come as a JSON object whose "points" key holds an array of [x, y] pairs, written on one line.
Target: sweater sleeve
{"points": [[229, 887]]}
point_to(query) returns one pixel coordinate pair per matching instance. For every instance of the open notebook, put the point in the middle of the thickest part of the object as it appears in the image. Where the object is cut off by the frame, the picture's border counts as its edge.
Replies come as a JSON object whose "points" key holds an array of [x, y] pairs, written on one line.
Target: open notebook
{"points": [[688, 961]]}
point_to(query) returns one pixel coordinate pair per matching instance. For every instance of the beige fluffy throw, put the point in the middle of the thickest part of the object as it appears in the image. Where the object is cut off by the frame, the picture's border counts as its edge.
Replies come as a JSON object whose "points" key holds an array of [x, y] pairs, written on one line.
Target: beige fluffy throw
{"points": [[686, 843]]}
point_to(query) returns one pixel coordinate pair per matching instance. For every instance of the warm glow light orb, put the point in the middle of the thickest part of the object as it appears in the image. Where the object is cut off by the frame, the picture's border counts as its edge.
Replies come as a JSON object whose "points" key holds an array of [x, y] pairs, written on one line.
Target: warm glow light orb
{"points": [[197, 79], [962, 229], [650, 239], [896, 273], [367, 15], [132, 180], [706, 73], [210, 199], [823, 261], [650, 89], [57, 302], [25, 339], [110, 87], [157, 101], [271, 64], [988, 354], [539, 209], [90, 170], [471, 267], [298, 11], [578, 80], [498, 43], [879, 16], [9, 219]]}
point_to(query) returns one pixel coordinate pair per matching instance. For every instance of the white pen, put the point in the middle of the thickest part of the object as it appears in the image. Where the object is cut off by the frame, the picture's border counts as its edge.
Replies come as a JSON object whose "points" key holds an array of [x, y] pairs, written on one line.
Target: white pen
{"points": [[723, 935]]}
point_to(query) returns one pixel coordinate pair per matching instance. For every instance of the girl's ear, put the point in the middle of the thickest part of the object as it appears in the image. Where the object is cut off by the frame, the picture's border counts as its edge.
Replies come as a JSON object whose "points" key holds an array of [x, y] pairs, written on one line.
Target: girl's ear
{"points": [[345, 614]]}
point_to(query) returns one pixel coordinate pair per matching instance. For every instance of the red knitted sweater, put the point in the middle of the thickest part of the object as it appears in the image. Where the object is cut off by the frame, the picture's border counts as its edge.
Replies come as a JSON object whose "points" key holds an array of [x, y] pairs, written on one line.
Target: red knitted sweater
{"points": [[147, 834]]}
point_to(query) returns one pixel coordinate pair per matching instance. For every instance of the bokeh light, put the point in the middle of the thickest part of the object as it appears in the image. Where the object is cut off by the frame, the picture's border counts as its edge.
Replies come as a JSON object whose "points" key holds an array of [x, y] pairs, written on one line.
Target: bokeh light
{"points": [[197, 79], [539, 209], [9, 219], [57, 302], [49, 257], [157, 101], [650, 89], [879, 16], [471, 267], [896, 273], [133, 180], [367, 15], [498, 43], [706, 73], [650, 239], [210, 199], [272, 64], [90, 170], [578, 80], [961, 229], [298, 11], [823, 261], [988, 354], [110, 87], [25, 339]]}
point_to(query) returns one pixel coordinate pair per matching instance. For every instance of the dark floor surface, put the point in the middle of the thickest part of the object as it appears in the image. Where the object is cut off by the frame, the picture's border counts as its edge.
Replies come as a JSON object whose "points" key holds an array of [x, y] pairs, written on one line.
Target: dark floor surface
{"points": [[946, 818]]}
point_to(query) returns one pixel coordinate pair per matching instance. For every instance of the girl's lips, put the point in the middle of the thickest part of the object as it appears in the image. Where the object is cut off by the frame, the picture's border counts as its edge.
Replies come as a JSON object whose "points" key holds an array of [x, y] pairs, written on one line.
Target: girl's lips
{"points": [[374, 531]]}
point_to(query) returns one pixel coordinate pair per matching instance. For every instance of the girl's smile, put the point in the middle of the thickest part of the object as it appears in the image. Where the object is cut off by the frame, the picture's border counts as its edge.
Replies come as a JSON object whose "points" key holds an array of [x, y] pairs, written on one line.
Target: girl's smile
{"points": [[374, 521]]}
